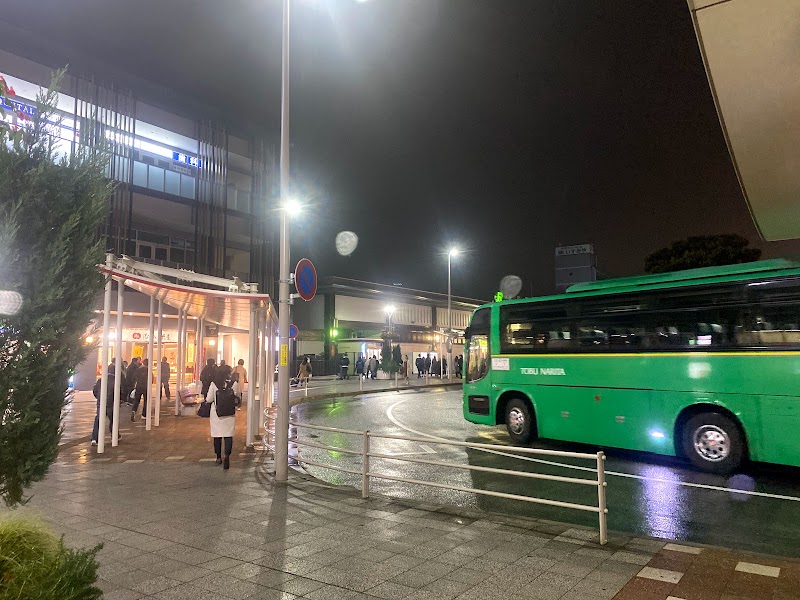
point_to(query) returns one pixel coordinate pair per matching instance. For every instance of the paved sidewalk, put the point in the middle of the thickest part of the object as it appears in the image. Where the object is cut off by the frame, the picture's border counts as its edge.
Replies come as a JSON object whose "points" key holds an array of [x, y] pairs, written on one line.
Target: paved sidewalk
{"points": [[176, 526]]}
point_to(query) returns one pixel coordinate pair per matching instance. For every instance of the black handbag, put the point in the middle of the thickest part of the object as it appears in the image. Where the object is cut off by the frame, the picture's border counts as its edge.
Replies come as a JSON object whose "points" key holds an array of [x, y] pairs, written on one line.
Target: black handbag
{"points": [[204, 410]]}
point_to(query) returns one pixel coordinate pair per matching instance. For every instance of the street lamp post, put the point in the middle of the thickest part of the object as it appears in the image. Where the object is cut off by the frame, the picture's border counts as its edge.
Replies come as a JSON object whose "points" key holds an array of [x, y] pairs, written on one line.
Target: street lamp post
{"points": [[282, 417], [453, 252]]}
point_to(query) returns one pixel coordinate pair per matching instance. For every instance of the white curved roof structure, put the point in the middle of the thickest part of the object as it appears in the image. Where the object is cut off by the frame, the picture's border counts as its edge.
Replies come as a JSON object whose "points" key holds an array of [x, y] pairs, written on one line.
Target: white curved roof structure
{"points": [[751, 50]]}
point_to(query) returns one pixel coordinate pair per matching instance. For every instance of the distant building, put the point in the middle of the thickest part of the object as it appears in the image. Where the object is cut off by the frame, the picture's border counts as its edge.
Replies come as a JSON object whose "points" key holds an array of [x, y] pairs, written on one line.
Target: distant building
{"points": [[349, 317], [574, 264]]}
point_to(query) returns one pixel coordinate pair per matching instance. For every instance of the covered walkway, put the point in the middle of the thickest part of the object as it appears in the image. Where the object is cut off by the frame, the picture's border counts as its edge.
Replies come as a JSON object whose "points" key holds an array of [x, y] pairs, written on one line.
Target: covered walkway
{"points": [[229, 303]]}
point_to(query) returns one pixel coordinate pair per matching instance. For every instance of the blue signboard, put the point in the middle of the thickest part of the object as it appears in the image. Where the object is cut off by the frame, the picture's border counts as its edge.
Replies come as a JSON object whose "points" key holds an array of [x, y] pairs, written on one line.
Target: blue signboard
{"points": [[293, 331], [188, 159], [18, 107]]}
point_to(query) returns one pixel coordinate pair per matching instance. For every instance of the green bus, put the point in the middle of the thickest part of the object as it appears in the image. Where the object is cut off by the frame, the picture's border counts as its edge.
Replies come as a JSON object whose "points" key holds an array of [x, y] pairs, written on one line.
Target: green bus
{"points": [[703, 363]]}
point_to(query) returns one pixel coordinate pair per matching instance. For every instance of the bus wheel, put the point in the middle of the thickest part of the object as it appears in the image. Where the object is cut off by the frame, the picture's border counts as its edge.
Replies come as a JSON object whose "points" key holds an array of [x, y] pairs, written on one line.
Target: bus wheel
{"points": [[519, 421], [713, 442]]}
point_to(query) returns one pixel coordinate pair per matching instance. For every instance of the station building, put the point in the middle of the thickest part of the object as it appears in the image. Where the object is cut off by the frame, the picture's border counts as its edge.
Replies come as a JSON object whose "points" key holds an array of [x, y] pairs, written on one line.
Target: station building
{"points": [[352, 317], [196, 191], [193, 190]]}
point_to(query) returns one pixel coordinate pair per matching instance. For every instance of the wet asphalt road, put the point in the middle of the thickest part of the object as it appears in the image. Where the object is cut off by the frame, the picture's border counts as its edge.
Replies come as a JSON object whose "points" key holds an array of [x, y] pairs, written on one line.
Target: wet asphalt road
{"points": [[647, 494]]}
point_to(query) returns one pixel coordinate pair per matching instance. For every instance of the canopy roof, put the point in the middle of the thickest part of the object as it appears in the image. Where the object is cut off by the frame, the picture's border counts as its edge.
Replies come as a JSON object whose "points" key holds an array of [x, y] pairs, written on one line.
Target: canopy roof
{"points": [[226, 308]]}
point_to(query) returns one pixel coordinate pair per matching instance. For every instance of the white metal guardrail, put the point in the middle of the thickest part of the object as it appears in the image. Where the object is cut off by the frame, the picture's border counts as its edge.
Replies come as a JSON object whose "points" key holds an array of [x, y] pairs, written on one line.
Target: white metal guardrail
{"points": [[367, 473]]}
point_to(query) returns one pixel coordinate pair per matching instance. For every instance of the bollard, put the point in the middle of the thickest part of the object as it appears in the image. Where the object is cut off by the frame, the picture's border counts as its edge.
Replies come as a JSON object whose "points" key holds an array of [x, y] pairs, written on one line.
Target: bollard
{"points": [[361, 383], [365, 466], [601, 497]]}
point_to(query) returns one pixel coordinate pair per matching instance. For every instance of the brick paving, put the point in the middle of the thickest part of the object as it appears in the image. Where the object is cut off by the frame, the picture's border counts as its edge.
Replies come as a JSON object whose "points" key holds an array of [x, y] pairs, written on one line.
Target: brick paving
{"points": [[176, 526]]}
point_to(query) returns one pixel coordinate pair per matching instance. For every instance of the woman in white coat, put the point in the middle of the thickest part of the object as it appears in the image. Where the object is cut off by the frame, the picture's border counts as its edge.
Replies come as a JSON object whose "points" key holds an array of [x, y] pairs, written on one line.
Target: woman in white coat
{"points": [[222, 427]]}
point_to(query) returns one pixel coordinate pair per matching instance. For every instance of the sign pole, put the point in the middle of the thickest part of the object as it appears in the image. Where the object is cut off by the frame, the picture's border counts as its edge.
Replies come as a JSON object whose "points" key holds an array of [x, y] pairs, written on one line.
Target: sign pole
{"points": [[282, 416]]}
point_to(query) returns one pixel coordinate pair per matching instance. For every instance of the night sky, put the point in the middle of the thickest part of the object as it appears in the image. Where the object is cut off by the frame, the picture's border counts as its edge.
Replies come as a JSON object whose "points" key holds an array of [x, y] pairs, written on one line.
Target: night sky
{"points": [[505, 127]]}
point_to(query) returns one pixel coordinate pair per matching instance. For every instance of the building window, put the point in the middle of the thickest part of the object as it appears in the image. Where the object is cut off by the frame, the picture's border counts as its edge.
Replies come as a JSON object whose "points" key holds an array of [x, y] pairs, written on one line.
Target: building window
{"points": [[139, 174], [172, 183], [155, 178], [187, 186]]}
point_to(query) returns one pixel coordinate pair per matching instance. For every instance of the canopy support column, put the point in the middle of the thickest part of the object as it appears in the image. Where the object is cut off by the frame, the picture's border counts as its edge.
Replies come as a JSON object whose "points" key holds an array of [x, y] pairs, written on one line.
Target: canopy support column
{"points": [[270, 360], [149, 399], [263, 375], [198, 325], [252, 341], [118, 374], [101, 434], [179, 375], [201, 345], [159, 382]]}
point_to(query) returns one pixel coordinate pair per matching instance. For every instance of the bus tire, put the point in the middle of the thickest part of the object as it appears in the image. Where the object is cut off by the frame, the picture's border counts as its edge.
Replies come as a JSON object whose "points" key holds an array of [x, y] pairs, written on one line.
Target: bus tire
{"points": [[519, 421], [713, 442]]}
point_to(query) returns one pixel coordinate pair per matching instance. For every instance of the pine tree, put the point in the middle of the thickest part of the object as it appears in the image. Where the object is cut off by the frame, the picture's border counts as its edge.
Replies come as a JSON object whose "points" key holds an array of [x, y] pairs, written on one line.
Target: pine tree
{"points": [[51, 209]]}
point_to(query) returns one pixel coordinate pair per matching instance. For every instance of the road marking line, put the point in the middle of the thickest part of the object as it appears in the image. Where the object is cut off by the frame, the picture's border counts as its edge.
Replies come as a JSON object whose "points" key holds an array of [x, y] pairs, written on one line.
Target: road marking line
{"points": [[755, 569], [684, 549], [393, 419]]}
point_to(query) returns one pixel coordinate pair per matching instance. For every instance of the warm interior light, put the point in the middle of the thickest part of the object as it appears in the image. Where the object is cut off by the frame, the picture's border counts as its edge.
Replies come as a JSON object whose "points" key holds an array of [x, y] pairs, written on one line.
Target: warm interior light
{"points": [[212, 342]]}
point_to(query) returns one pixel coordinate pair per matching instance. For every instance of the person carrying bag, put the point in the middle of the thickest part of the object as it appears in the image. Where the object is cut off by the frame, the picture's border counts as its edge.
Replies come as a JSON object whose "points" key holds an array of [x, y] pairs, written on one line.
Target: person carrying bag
{"points": [[222, 400]]}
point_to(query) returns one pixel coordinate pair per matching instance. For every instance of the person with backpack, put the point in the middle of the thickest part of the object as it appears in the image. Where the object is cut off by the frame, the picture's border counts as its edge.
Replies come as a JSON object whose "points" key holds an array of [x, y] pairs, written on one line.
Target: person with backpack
{"points": [[223, 396], [109, 405]]}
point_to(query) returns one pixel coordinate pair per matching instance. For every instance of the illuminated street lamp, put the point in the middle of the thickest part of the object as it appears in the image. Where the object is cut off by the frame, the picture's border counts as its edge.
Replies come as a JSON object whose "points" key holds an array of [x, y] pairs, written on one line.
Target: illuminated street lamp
{"points": [[289, 208], [453, 252]]}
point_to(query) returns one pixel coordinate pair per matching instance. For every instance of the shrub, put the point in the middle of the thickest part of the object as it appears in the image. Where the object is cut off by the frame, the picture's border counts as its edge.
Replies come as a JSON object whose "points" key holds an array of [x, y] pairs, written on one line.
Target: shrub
{"points": [[35, 564]]}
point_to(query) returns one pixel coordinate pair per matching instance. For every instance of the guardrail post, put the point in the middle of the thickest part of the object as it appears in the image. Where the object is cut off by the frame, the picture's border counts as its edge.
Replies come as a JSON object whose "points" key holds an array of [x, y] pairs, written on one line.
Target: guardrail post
{"points": [[601, 497], [365, 466]]}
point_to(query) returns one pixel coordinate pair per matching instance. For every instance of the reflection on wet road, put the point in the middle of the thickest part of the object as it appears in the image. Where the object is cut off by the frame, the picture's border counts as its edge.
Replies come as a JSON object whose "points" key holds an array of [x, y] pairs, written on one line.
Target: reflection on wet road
{"points": [[756, 510]]}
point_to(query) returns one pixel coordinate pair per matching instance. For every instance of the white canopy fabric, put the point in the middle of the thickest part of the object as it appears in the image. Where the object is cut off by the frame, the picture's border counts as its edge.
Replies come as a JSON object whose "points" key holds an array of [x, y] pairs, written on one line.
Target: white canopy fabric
{"points": [[229, 309]]}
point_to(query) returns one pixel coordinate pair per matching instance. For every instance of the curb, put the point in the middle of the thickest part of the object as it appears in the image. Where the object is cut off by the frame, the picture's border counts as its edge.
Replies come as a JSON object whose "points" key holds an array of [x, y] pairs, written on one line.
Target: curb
{"points": [[439, 387]]}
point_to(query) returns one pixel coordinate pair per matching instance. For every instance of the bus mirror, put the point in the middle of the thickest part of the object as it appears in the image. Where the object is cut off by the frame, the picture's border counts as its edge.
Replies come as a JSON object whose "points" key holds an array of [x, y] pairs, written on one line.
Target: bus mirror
{"points": [[466, 333]]}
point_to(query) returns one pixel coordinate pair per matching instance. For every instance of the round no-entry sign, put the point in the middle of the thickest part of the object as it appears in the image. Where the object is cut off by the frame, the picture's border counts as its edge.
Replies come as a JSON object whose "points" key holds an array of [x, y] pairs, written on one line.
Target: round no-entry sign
{"points": [[305, 279]]}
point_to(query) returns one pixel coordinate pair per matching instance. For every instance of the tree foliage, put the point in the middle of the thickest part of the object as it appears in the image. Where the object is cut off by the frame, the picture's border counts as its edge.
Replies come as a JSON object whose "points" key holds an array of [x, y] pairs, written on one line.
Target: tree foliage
{"points": [[51, 208], [34, 565], [702, 251]]}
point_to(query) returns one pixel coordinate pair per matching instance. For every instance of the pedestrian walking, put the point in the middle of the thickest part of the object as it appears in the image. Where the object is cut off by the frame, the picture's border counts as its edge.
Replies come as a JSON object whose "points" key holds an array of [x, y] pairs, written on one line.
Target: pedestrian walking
{"points": [[404, 367], [109, 405], [239, 373], [360, 366], [345, 366], [130, 378], [435, 367], [223, 394], [142, 379], [428, 362], [373, 366], [207, 376], [459, 360], [444, 367], [304, 372], [420, 364], [165, 375]]}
